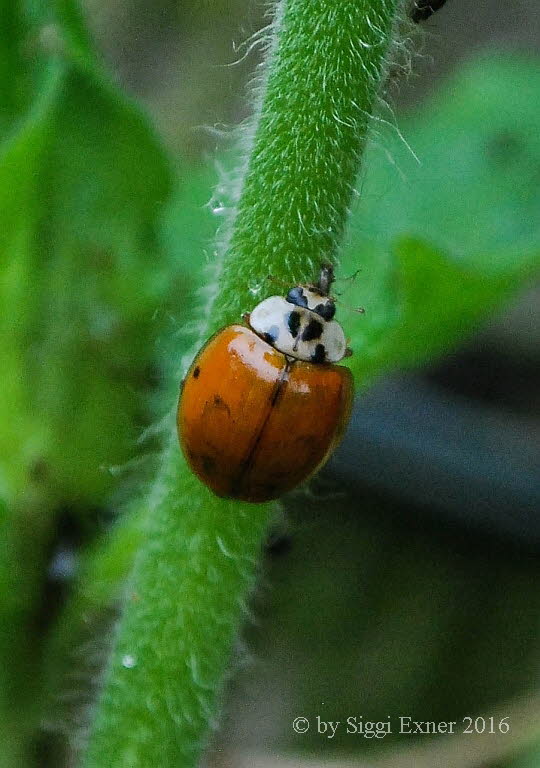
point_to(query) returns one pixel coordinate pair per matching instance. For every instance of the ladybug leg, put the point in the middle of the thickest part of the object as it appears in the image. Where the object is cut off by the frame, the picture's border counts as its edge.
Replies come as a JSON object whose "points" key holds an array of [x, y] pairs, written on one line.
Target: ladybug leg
{"points": [[348, 352], [245, 317]]}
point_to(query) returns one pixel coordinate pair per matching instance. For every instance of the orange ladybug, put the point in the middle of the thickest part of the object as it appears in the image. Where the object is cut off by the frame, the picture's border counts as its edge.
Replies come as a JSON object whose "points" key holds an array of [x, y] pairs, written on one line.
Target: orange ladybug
{"points": [[262, 407]]}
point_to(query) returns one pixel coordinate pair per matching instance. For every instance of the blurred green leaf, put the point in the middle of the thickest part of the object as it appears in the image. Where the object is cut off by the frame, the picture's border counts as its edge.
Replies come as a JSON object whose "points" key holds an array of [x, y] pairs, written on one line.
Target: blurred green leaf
{"points": [[424, 304], [82, 187], [187, 238], [102, 282], [19, 211], [455, 235], [530, 758], [473, 188], [83, 184]]}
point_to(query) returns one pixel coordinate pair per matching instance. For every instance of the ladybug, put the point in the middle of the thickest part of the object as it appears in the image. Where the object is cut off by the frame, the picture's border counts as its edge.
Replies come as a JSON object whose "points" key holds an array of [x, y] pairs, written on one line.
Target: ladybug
{"points": [[263, 404]]}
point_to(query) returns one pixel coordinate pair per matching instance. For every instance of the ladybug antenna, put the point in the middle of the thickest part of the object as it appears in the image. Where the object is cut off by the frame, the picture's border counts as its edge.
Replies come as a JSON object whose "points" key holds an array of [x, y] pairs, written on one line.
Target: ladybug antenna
{"points": [[326, 278], [352, 277], [357, 310]]}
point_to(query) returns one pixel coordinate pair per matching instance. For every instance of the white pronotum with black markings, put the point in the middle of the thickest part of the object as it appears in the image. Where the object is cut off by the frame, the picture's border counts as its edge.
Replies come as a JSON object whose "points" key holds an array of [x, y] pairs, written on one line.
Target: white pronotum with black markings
{"points": [[301, 325]]}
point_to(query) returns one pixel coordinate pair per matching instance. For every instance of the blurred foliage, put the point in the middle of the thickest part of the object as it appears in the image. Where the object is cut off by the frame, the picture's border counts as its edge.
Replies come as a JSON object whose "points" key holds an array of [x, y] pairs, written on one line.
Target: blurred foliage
{"points": [[82, 181], [378, 613], [450, 199], [529, 759], [100, 245], [186, 61]]}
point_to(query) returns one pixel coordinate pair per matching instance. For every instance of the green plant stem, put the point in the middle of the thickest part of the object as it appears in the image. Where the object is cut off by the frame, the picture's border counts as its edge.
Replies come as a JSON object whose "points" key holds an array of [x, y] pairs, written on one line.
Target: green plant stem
{"points": [[197, 565], [325, 67]]}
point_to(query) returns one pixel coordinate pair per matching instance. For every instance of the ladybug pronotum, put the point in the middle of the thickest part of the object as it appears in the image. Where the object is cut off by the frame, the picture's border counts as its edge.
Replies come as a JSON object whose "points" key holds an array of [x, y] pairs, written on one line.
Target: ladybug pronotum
{"points": [[263, 406]]}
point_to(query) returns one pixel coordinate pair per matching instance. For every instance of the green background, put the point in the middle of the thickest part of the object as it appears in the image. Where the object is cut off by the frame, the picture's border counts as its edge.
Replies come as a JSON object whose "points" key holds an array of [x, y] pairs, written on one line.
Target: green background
{"points": [[110, 153]]}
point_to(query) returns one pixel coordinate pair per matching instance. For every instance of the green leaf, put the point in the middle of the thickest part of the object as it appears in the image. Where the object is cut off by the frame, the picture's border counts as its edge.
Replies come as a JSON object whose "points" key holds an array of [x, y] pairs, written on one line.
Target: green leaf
{"points": [[473, 190], [187, 235], [83, 181], [20, 163], [20, 65], [424, 303], [529, 758], [453, 237], [81, 192]]}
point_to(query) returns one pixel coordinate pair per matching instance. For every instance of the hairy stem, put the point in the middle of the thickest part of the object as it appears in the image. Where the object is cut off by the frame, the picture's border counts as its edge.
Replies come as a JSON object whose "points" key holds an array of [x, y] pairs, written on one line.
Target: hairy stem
{"points": [[326, 61], [186, 598]]}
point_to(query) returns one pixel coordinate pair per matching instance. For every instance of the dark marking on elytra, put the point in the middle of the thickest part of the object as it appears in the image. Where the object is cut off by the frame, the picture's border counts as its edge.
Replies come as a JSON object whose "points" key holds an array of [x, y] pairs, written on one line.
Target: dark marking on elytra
{"points": [[271, 335], [219, 402], [196, 372], [313, 330], [326, 311], [296, 296], [293, 321], [319, 356], [208, 464]]}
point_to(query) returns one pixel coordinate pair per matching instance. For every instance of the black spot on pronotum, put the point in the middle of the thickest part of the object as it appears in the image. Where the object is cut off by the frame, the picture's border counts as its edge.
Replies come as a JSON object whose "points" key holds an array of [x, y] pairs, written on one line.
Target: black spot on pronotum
{"points": [[196, 372], [293, 321], [296, 296], [319, 356], [271, 335], [313, 330], [326, 311], [423, 9]]}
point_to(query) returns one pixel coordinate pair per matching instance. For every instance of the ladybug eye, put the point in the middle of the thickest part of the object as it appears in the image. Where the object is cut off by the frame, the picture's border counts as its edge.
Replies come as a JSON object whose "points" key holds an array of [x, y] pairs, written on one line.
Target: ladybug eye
{"points": [[296, 296]]}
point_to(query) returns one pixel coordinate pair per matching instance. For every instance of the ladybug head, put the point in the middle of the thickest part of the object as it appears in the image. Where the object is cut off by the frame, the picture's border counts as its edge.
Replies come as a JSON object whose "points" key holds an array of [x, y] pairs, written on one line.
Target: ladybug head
{"points": [[310, 297], [301, 324], [316, 297]]}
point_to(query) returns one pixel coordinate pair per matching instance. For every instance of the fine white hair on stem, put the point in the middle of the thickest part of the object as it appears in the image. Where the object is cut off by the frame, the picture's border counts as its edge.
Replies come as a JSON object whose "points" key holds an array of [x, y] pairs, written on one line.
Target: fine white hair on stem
{"points": [[254, 41], [392, 124], [229, 185], [240, 142]]}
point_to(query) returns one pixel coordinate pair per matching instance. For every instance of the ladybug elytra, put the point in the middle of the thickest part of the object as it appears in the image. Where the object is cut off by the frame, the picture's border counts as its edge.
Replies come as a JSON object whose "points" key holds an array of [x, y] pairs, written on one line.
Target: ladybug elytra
{"points": [[263, 405]]}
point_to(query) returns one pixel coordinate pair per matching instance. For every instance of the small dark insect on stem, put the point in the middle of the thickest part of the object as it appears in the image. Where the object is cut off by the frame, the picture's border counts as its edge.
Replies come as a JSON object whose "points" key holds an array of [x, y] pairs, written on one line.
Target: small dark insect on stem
{"points": [[423, 9]]}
